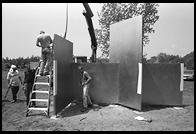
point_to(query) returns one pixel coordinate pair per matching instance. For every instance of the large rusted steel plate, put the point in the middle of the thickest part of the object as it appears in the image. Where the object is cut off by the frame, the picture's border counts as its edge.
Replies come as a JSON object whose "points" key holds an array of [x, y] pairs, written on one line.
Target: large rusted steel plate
{"points": [[104, 85], [63, 55], [161, 84], [126, 49]]}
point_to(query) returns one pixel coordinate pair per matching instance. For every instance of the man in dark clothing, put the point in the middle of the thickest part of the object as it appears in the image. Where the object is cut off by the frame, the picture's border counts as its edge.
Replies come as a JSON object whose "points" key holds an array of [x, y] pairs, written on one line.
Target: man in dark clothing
{"points": [[29, 75]]}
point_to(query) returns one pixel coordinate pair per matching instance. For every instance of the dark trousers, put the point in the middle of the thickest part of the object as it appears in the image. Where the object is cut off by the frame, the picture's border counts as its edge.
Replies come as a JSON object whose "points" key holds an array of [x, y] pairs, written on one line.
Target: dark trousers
{"points": [[15, 90], [28, 90]]}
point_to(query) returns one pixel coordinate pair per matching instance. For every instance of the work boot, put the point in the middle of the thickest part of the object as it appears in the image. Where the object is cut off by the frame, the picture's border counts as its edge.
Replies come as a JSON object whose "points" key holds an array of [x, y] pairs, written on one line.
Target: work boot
{"points": [[46, 73], [84, 109], [90, 105]]}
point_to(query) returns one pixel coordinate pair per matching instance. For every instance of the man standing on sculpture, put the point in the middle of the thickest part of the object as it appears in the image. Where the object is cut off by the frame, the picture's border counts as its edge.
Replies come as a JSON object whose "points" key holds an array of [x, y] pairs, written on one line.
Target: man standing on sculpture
{"points": [[45, 42], [85, 80]]}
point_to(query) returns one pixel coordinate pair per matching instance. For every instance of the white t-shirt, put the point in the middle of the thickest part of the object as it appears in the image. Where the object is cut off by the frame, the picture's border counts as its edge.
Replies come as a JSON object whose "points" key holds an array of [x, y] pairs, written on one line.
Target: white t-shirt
{"points": [[13, 76]]}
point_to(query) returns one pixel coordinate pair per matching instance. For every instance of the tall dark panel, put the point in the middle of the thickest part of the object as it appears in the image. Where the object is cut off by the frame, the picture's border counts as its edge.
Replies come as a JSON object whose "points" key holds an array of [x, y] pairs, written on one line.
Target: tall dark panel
{"points": [[77, 88], [161, 84], [126, 49], [63, 56]]}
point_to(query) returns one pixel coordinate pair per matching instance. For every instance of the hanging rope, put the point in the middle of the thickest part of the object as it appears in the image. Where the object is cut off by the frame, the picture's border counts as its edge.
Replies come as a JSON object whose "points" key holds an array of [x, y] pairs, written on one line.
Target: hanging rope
{"points": [[66, 21]]}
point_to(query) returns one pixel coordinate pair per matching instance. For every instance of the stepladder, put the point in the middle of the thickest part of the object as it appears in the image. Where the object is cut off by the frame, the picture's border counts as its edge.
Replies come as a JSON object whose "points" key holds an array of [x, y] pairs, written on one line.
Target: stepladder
{"points": [[40, 94]]}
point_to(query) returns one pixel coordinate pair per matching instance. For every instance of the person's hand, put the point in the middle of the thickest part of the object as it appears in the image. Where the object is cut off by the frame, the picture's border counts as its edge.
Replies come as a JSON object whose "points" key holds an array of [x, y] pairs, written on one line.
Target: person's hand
{"points": [[9, 85], [83, 83], [23, 88]]}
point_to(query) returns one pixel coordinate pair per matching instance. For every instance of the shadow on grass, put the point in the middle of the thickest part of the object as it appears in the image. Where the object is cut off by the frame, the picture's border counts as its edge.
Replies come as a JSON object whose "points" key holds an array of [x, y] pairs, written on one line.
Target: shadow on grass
{"points": [[5, 100], [36, 114], [20, 100], [147, 107], [76, 109]]}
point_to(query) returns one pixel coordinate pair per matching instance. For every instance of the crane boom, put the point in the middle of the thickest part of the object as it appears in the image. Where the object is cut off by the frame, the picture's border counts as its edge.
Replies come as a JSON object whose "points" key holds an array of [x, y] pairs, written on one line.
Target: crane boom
{"points": [[88, 15]]}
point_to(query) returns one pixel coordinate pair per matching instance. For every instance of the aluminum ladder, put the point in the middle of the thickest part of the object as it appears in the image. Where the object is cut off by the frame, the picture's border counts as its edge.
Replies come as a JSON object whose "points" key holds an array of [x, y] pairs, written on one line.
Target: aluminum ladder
{"points": [[36, 91]]}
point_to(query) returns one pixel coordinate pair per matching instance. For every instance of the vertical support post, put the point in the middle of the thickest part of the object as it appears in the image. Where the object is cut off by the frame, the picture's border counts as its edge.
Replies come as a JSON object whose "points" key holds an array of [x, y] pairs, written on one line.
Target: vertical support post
{"points": [[182, 75], [55, 84], [139, 82], [66, 21]]}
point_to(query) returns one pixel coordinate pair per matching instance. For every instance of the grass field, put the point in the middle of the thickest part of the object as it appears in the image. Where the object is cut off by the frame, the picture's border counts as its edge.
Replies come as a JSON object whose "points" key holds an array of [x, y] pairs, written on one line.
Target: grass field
{"points": [[107, 118]]}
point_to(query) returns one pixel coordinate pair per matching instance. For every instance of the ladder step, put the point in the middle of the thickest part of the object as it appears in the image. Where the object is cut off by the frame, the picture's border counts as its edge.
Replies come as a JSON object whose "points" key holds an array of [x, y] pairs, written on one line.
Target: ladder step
{"points": [[42, 76], [38, 108], [44, 100], [42, 83], [36, 91]]}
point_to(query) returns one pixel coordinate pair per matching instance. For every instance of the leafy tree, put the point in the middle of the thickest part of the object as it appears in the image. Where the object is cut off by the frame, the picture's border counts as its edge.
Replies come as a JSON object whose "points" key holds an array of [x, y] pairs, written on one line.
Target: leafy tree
{"points": [[165, 58], [144, 58], [189, 60], [153, 59], [115, 12]]}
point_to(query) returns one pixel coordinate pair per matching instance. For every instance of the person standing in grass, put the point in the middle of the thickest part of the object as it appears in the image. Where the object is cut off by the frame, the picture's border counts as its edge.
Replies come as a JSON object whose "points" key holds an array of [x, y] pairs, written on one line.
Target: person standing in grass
{"points": [[29, 75], [14, 81]]}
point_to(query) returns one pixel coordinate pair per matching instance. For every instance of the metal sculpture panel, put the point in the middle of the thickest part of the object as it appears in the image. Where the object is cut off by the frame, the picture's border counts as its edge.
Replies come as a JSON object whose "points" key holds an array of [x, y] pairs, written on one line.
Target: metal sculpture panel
{"points": [[126, 49], [63, 57], [104, 85], [161, 84]]}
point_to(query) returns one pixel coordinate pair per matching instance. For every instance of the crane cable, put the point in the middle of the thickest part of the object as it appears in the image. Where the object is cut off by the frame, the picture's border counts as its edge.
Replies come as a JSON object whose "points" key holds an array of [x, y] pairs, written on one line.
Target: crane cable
{"points": [[66, 21]]}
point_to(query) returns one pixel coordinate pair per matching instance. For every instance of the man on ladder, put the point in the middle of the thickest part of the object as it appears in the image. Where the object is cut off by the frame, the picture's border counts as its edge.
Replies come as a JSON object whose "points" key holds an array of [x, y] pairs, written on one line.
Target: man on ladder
{"points": [[45, 72], [45, 42]]}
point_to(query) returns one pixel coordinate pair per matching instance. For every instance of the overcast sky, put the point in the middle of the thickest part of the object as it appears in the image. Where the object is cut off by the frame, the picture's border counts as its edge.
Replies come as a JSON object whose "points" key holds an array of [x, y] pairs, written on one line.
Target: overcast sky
{"points": [[21, 23]]}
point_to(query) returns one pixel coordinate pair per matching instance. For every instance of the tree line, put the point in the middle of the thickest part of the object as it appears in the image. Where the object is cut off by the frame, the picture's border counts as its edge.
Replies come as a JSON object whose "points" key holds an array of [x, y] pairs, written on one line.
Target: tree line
{"points": [[19, 62], [188, 59]]}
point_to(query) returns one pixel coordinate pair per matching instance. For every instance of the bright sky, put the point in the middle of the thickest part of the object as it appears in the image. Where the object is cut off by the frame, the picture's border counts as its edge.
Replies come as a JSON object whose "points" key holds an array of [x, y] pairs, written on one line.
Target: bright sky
{"points": [[21, 23]]}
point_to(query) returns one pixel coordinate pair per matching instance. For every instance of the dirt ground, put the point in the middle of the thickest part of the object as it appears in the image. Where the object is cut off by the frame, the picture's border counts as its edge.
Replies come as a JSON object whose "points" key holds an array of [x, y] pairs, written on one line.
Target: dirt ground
{"points": [[102, 118]]}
